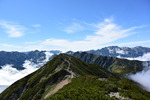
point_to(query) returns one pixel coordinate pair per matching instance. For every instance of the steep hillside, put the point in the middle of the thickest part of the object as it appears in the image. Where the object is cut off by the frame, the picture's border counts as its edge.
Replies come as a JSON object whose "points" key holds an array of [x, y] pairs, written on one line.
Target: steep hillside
{"points": [[68, 78], [94, 88], [51, 77], [112, 64]]}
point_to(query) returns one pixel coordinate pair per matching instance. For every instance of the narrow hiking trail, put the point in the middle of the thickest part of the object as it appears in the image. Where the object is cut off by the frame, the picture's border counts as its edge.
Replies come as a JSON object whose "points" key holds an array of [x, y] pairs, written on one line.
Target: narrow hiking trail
{"points": [[63, 82]]}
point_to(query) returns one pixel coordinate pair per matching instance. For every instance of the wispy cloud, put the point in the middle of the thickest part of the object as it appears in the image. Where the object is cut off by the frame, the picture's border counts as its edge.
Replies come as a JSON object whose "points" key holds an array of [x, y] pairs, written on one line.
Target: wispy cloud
{"points": [[105, 32], [9, 45], [102, 34], [132, 43], [28, 47], [74, 27], [36, 25], [13, 29], [35, 42]]}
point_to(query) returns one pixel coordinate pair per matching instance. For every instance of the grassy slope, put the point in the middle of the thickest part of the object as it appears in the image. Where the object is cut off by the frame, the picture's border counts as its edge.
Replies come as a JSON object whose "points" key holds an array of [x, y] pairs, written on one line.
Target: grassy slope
{"points": [[37, 84], [112, 64], [90, 88]]}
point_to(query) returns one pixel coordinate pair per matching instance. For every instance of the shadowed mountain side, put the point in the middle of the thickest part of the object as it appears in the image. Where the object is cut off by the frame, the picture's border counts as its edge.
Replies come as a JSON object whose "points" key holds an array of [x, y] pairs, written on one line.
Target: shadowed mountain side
{"points": [[112, 64], [17, 59], [46, 81]]}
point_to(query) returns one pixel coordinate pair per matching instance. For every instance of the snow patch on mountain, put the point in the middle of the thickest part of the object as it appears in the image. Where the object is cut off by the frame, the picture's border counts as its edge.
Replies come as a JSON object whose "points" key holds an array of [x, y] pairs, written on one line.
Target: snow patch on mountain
{"points": [[117, 50], [121, 52]]}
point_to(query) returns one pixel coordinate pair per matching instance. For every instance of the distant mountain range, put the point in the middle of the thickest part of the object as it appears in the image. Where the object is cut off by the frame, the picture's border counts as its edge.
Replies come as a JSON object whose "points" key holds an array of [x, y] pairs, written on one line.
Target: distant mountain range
{"points": [[116, 51], [66, 77], [17, 59]]}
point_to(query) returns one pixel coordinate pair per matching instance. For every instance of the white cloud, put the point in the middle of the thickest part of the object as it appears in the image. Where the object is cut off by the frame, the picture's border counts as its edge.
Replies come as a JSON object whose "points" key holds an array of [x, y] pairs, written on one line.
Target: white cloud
{"points": [[35, 42], [133, 43], [2, 88], [105, 32], [36, 25], [13, 29], [142, 77], [8, 74], [9, 45], [74, 27], [28, 47], [145, 57]]}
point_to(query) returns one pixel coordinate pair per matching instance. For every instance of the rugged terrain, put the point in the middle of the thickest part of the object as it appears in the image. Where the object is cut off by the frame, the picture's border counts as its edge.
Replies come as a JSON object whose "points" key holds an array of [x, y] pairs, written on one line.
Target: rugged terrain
{"points": [[66, 77], [18, 58], [51, 77], [116, 51], [112, 64]]}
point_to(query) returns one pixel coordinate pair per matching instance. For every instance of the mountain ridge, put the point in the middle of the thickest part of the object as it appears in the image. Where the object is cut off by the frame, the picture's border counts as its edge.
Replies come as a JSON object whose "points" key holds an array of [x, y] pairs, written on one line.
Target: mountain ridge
{"points": [[17, 59], [116, 51], [60, 68], [112, 64]]}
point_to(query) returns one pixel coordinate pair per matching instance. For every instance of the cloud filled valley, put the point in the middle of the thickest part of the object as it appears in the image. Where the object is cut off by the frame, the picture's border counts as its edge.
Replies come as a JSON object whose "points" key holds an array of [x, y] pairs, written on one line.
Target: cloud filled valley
{"points": [[143, 77], [145, 57], [9, 74]]}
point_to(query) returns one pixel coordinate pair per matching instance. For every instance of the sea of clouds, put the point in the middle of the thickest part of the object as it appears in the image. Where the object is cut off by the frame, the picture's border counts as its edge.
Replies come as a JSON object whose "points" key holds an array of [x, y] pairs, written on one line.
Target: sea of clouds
{"points": [[143, 77], [9, 75]]}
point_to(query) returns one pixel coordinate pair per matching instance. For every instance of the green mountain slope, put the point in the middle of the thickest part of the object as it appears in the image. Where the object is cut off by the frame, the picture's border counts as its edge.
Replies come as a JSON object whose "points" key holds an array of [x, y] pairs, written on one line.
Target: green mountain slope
{"points": [[112, 64], [94, 88], [50, 78], [68, 78]]}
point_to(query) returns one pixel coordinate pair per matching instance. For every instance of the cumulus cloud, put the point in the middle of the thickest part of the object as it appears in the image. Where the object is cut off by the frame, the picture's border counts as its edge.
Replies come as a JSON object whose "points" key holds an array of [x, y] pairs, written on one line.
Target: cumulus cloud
{"points": [[145, 57], [12, 29], [143, 77], [9, 75], [74, 27], [105, 32]]}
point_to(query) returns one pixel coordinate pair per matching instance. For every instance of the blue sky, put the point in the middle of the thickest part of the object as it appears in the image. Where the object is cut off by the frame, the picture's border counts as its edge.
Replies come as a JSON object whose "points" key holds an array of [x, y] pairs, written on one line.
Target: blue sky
{"points": [[73, 24]]}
